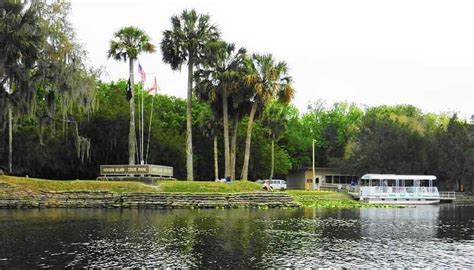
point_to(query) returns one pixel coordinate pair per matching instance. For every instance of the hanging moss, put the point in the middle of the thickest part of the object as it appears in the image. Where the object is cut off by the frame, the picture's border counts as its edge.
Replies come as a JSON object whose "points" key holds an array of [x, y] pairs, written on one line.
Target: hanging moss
{"points": [[83, 145]]}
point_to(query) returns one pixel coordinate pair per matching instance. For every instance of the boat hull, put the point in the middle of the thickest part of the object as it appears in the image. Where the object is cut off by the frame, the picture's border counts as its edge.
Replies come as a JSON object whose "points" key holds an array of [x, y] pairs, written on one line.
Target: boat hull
{"points": [[402, 202]]}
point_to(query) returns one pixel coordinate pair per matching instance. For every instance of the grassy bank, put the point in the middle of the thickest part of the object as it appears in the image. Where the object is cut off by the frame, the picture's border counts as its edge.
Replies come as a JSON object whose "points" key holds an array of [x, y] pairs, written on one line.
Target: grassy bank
{"points": [[33, 184], [327, 199], [208, 187]]}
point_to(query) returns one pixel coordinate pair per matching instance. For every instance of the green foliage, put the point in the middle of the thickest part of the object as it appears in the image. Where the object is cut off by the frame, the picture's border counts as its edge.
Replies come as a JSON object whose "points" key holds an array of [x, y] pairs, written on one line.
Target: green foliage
{"points": [[275, 118], [454, 155], [332, 129], [388, 146], [326, 199]]}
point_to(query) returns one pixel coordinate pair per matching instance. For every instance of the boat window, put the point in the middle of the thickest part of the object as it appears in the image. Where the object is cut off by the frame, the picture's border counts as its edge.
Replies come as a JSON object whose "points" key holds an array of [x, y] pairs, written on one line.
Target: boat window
{"points": [[407, 183], [375, 182], [424, 183], [391, 183]]}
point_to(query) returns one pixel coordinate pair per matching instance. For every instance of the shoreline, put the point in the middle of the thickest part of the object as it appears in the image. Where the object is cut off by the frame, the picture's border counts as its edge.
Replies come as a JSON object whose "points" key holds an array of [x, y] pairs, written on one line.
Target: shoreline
{"points": [[19, 192], [141, 200]]}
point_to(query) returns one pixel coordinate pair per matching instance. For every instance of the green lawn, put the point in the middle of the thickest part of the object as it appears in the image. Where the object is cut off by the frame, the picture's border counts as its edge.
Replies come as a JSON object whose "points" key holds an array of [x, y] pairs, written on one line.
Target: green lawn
{"points": [[208, 187], [130, 186], [34, 184]]}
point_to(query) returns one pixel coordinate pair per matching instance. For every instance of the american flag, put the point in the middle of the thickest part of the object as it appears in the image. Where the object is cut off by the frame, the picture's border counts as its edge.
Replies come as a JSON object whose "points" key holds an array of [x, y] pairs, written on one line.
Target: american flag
{"points": [[142, 73], [154, 86]]}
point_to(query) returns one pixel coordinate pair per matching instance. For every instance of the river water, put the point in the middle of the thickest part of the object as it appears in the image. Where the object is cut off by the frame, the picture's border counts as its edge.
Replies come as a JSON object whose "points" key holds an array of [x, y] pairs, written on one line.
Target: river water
{"points": [[423, 236]]}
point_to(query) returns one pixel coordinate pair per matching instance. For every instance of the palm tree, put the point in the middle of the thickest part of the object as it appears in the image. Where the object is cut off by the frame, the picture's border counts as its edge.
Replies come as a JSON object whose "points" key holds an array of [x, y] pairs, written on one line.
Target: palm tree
{"points": [[190, 34], [128, 43], [275, 119], [239, 104], [218, 79], [269, 81], [210, 128], [20, 46]]}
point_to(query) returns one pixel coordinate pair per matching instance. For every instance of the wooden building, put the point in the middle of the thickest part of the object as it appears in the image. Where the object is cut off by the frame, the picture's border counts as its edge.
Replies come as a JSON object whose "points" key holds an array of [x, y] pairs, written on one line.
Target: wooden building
{"points": [[302, 178]]}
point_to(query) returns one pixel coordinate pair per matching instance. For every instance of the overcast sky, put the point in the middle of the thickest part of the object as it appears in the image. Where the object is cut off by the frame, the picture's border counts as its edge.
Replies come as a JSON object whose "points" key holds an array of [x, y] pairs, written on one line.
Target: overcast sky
{"points": [[368, 52]]}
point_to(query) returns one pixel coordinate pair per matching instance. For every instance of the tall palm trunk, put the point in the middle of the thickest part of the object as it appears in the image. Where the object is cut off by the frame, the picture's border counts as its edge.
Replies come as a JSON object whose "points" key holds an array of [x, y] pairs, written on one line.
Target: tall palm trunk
{"points": [[189, 134], [233, 148], [273, 158], [245, 167], [225, 117], [10, 138], [132, 136], [216, 158]]}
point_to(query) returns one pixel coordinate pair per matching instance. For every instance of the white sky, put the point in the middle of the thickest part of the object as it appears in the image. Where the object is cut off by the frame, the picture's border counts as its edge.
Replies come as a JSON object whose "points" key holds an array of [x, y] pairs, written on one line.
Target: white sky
{"points": [[371, 52]]}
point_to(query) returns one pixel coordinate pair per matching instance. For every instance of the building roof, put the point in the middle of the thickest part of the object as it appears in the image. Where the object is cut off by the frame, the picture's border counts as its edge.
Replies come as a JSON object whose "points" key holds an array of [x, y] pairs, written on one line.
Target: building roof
{"points": [[316, 168], [398, 177]]}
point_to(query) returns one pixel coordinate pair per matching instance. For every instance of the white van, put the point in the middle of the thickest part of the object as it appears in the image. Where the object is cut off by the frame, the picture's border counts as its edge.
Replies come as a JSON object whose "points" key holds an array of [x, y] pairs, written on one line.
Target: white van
{"points": [[278, 184]]}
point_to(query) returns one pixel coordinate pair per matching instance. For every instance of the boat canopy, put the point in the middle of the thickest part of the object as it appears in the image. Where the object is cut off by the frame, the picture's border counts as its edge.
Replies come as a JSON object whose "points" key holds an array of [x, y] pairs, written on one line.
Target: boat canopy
{"points": [[397, 177]]}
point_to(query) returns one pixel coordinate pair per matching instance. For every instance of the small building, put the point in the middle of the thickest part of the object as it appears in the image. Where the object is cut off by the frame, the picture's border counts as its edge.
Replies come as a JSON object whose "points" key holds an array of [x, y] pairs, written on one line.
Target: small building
{"points": [[302, 178]]}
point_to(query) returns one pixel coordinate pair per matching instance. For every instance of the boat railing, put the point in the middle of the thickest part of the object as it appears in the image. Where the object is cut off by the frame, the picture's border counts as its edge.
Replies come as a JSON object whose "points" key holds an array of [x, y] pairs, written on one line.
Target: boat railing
{"points": [[400, 191], [447, 195], [420, 190]]}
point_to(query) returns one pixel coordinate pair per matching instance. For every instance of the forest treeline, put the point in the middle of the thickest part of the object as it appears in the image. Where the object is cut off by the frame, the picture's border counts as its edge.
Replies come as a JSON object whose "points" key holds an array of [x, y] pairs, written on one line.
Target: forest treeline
{"points": [[384, 139], [60, 121]]}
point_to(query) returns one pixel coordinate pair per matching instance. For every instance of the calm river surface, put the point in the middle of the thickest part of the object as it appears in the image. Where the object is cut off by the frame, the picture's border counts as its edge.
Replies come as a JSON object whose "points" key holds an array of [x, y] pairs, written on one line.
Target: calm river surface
{"points": [[423, 236]]}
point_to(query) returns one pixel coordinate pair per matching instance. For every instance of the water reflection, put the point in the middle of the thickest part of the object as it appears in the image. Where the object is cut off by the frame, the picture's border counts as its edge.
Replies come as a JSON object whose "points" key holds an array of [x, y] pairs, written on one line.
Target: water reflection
{"points": [[413, 223], [242, 238]]}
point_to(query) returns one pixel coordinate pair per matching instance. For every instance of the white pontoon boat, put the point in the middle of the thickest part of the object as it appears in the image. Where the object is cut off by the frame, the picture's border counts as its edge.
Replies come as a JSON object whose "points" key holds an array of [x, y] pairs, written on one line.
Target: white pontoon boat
{"points": [[396, 189]]}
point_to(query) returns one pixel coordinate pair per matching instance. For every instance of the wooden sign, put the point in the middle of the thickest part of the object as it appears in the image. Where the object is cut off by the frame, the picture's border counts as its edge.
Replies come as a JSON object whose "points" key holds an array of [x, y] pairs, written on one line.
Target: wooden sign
{"points": [[147, 169]]}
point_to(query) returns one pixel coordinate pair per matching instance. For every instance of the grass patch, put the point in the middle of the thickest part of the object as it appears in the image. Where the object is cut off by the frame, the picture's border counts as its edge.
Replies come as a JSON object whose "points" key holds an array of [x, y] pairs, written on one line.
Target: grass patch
{"points": [[327, 199], [208, 187], [34, 184]]}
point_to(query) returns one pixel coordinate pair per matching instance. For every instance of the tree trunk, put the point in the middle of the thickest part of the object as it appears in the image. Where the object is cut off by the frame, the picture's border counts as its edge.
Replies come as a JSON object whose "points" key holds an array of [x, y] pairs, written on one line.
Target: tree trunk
{"points": [[273, 158], [225, 117], [132, 136], [233, 148], [245, 167], [216, 159], [10, 138], [189, 135]]}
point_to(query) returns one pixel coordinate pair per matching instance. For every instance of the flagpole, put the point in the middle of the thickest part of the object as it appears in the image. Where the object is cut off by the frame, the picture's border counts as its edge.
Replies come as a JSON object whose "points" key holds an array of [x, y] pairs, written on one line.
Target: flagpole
{"points": [[151, 117], [142, 73], [143, 126], [149, 130]]}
